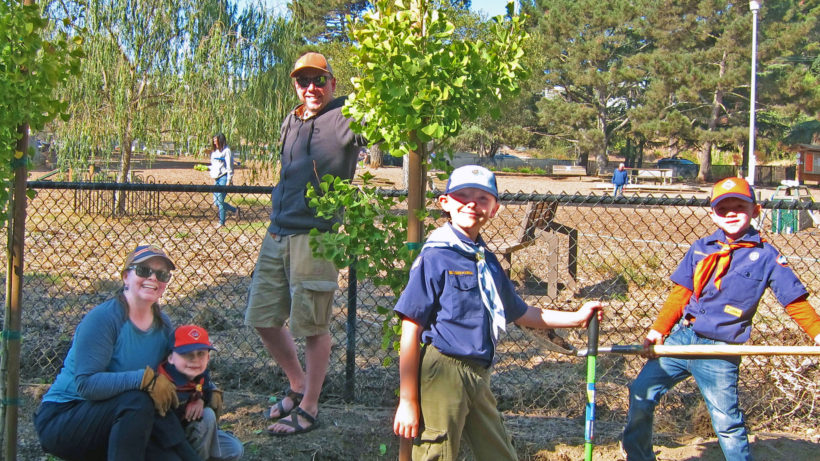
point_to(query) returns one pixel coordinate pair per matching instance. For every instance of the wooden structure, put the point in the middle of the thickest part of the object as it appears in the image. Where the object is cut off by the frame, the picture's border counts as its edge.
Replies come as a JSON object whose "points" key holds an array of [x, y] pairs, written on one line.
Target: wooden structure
{"points": [[569, 170], [539, 222], [656, 175], [808, 163]]}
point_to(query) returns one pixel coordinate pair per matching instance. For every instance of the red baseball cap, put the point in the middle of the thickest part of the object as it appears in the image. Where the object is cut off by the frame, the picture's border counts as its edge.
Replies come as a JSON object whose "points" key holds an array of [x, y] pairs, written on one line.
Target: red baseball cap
{"points": [[188, 338], [732, 187]]}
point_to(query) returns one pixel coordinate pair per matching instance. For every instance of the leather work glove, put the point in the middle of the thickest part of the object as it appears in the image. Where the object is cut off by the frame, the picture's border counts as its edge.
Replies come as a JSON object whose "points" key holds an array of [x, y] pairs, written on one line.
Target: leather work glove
{"points": [[216, 402], [161, 390]]}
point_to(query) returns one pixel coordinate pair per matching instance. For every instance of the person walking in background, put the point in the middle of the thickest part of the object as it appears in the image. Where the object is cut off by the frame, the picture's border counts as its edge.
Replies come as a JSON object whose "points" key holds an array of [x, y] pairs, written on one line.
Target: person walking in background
{"points": [[288, 281], [109, 402], [620, 178], [717, 288], [221, 170]]}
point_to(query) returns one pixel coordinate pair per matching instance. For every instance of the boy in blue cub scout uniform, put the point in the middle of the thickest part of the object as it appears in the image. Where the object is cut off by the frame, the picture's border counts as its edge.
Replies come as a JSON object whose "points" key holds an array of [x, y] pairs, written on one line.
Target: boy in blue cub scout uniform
{"points": [[455, 303], [718, 286], [200, 399]]}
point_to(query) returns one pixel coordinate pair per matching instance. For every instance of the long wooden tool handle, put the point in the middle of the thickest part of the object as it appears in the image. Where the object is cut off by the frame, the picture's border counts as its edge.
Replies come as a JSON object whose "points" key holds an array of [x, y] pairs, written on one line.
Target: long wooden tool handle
{"points": [[405, 449], [706, 350]]}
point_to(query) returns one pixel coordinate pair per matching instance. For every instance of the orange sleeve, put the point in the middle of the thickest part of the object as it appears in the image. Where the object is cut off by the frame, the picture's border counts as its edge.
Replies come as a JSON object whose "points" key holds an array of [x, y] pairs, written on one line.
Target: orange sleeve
{"points": [[805, 316], [672, 309]]}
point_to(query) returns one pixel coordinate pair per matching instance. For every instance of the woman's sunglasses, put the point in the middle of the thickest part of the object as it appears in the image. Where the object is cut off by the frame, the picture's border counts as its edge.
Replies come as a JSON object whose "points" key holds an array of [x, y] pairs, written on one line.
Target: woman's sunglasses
{"points": [[145, 272], [318, 82]]}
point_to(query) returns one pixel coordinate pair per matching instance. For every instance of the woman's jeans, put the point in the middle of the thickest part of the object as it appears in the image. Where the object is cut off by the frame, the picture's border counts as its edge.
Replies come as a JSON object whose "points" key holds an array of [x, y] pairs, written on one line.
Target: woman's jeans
{"points": [[219, 200], [717, 380], [124, 428]]}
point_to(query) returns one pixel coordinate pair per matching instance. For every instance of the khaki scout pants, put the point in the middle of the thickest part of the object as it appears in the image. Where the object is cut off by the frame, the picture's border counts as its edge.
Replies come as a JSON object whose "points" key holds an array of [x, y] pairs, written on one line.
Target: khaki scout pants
{"points": [[456, 400]]}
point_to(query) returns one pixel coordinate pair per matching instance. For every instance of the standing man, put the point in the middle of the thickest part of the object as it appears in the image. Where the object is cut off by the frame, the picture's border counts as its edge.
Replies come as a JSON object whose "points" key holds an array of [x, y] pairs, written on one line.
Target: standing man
{"points": [[619, 179], [288, 281]]}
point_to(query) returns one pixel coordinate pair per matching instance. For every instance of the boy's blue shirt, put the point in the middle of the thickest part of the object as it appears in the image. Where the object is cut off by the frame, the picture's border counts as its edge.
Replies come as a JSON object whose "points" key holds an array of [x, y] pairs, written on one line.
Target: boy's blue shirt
{"points": [[442, 296], [726, 314]]}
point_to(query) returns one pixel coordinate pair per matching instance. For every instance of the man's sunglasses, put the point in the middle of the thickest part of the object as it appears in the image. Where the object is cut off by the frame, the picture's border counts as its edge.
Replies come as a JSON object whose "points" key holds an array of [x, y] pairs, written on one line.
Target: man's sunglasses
{"points": [[318, 82], [145, 272]]}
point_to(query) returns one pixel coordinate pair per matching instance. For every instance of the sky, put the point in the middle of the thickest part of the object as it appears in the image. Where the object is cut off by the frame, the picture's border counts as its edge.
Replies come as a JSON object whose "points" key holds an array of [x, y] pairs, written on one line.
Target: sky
{"points": [[491, 7]]}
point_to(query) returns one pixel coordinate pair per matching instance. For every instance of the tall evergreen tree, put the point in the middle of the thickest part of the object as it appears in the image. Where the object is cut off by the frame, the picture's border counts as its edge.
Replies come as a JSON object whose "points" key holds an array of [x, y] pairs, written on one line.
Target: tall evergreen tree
{"points": [[699, 94], [325, 20], [588, 73]]}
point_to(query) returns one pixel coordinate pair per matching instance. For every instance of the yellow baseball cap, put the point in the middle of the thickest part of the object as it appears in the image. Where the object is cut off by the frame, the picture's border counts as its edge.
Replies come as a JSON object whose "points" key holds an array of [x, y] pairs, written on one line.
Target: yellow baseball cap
{"points": [[311, 60], [731, 187]]}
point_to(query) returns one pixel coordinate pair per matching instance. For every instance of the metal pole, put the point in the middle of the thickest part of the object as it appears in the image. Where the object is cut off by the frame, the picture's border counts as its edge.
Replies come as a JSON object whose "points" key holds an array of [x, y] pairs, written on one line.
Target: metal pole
{"points": [[350, 364], [754, 6], [592, 353]]}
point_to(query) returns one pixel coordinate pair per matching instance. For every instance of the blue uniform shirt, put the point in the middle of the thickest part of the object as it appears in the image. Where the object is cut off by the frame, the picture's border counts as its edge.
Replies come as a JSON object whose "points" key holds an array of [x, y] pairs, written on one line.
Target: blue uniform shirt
{"points": [[442, 296], [726, 314]]}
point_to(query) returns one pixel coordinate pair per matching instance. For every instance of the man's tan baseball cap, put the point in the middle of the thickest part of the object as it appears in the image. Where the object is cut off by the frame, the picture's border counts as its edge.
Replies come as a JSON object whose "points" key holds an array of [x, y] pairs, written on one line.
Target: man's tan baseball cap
{"points": [[311, 60]]}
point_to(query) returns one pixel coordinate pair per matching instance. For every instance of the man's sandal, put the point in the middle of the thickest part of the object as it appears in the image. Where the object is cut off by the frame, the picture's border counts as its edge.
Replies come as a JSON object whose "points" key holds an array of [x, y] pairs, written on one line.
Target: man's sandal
{"points": [[294, 423], [295, 397]]}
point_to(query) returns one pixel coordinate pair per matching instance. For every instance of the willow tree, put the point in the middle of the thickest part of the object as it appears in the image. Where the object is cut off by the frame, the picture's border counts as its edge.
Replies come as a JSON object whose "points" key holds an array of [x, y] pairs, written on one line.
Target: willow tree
{"points": [[174, 70]]}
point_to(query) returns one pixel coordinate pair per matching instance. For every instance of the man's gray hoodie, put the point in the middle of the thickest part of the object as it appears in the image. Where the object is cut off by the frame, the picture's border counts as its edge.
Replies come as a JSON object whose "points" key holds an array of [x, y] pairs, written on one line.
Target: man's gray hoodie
{"points": [[311, 148]]}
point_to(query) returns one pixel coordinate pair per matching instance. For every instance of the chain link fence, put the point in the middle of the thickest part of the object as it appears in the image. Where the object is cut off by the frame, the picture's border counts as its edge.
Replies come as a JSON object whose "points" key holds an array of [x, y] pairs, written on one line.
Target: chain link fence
{"points": [[560, 250]]}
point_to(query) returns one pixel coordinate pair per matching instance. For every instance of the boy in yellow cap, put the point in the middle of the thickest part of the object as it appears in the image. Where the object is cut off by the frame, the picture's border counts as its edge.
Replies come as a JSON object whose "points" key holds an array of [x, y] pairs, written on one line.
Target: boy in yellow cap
{"points": [[718, 286]]}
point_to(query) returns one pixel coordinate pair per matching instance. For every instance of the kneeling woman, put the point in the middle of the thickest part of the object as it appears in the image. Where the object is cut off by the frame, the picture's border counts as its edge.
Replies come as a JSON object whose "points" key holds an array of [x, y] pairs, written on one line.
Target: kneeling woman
{"points": [[108, 402]]}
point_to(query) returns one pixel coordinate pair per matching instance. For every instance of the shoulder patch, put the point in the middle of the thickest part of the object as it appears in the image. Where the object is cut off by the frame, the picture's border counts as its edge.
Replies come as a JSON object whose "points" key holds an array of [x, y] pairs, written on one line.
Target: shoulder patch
{"points": [[782, 261]]}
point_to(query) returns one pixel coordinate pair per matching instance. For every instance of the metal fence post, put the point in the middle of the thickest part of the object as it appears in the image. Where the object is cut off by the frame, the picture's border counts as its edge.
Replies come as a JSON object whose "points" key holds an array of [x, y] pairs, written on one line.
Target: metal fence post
{"points": [[350, 362]]}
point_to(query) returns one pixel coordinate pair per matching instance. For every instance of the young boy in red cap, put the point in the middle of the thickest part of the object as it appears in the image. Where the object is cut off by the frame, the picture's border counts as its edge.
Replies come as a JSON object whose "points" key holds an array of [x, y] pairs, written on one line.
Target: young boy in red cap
{"points": [[200, 400], [718, 286]]}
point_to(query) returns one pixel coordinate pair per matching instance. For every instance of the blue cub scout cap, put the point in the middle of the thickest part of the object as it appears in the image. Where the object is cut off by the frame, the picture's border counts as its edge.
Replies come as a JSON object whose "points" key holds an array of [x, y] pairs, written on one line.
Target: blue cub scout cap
{"points": [[472, 176]]}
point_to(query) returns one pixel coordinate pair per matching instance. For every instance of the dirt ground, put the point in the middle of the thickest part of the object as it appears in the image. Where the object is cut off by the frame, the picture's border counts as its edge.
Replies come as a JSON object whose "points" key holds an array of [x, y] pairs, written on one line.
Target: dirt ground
{"points": [[354, 432]]}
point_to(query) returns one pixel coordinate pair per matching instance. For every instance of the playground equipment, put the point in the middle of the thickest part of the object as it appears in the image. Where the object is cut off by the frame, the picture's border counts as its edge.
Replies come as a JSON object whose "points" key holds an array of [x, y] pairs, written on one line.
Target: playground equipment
{"points": [[791, 221]]}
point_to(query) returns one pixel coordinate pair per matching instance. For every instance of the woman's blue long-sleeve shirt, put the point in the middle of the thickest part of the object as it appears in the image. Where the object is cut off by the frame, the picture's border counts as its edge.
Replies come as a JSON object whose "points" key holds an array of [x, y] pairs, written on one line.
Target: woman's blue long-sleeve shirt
{"points": [[108, 355]]}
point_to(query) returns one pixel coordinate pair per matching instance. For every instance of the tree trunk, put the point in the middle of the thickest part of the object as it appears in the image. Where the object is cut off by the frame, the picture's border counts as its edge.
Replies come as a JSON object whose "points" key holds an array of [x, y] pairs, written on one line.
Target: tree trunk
{"points": [[376, 156], [705, 157], [602, 154], [122, 176]]}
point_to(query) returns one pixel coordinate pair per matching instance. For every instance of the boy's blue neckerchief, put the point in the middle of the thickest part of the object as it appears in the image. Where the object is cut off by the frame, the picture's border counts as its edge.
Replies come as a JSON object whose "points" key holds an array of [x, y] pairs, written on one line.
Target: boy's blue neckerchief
{"points": [[445, 237]]}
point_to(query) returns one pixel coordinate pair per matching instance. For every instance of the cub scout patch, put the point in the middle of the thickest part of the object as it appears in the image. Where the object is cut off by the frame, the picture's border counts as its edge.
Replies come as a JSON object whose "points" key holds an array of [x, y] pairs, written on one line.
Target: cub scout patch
{"points": [[460, 272], [732, 310], [782, 261]]}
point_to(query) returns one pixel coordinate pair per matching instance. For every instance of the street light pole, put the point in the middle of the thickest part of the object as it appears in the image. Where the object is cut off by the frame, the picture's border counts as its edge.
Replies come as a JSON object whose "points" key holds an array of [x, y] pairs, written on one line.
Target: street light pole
{"points": [[754, 6]]}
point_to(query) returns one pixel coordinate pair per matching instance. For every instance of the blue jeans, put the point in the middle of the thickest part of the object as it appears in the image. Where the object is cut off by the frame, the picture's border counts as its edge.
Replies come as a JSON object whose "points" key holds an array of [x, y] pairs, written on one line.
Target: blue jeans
{"points": [[717, 381], [219, 200], [619, 189], [125, 427]]}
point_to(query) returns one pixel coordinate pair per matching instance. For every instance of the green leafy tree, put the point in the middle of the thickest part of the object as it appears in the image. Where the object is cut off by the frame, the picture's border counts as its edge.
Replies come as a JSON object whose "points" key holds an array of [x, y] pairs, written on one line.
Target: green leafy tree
{"points": [[417, 84], [32, 64]]}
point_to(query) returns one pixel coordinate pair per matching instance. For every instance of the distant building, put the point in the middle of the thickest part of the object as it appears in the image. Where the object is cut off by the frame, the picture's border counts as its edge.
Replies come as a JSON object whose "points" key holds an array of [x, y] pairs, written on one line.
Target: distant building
{"points": [[808, 162]]}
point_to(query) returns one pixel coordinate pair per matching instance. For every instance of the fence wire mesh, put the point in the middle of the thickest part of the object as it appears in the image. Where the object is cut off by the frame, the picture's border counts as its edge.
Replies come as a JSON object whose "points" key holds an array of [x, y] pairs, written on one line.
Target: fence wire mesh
{"points": [[560, 250]]}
